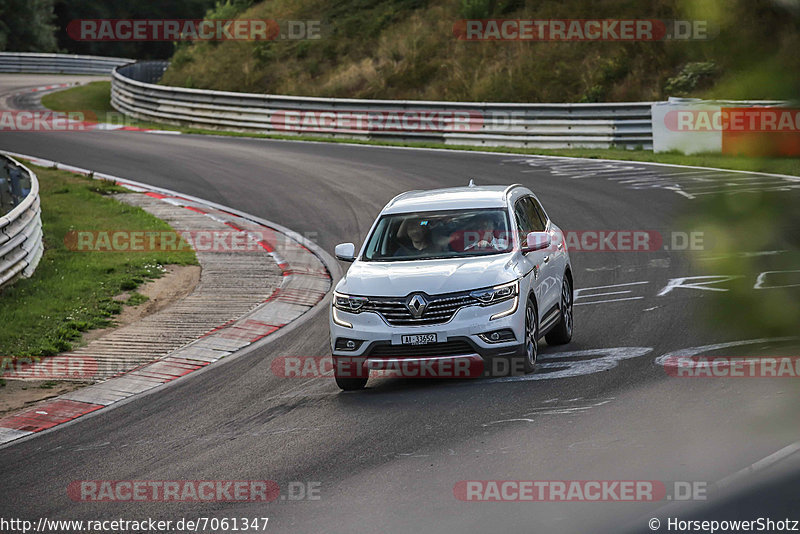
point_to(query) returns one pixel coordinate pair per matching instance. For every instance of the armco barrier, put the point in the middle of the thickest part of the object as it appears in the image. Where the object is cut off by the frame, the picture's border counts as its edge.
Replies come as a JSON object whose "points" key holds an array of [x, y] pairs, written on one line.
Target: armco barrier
{"points": [[21, 245], [134, 91], [59, 63]]}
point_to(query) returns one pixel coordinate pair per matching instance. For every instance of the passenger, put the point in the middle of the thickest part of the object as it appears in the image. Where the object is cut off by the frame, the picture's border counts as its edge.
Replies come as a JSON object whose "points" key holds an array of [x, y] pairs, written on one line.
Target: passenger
{"points": [[485, 227]]}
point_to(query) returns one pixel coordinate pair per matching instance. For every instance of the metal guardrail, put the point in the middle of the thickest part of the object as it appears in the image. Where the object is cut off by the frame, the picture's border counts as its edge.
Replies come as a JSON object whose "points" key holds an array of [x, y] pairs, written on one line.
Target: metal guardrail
{"points": [[59, 63], [21, 245], [134, 91]]}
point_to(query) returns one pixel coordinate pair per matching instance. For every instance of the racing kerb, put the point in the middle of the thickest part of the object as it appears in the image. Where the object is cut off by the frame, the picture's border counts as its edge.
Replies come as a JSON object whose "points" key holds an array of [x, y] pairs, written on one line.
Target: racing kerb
{"points": [[308, 274], [21, 245]]}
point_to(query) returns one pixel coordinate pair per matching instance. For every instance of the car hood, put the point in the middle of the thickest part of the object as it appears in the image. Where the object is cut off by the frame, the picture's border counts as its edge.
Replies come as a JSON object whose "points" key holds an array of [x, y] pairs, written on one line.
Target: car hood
{"points": [[399, 278]]}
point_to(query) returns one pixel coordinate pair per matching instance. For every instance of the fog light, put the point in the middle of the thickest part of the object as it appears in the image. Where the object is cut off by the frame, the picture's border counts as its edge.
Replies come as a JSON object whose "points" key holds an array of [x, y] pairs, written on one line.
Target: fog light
{"points": [[346, 344], [498, 336]]}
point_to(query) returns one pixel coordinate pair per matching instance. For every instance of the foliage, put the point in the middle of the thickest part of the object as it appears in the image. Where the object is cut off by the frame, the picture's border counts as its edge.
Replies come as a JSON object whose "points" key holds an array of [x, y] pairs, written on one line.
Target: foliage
{"points": [[406, 49], [692, 76], [69, 10], [27, 26]]}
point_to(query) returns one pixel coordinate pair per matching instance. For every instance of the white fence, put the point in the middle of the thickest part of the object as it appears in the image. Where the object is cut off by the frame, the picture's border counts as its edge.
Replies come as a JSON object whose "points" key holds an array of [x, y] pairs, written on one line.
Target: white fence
{"points": [[59, 63], [21, 245], [136, 93]]}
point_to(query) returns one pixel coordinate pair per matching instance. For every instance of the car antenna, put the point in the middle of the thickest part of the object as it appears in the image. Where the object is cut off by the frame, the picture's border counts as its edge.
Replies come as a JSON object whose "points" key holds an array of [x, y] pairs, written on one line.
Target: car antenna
{"points": [[471, 183]]}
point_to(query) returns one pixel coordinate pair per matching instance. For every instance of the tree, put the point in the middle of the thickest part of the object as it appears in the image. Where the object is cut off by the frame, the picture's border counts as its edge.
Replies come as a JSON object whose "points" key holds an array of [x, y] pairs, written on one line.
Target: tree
{"points": [[69, 10], [27, 26]]}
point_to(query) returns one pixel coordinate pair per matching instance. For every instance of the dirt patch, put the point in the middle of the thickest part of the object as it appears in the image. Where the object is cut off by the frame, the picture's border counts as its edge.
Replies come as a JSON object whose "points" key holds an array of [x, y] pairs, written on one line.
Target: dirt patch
{"points": [[178, 282], [19, 394]]}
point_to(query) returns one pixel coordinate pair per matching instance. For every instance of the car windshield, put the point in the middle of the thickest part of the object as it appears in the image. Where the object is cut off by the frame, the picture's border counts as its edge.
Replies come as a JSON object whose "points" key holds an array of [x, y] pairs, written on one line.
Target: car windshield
{"points": [[439, 234]]}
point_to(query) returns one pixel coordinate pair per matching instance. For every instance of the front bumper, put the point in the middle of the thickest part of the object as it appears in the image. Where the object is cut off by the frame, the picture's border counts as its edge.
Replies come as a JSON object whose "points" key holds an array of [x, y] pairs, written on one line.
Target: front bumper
{"points": [[458, 341]]}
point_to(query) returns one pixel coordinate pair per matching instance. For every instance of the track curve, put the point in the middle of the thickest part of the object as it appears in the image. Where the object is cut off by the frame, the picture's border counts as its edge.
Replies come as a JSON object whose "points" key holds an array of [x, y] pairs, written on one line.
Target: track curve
{"points": [[387, 459]]}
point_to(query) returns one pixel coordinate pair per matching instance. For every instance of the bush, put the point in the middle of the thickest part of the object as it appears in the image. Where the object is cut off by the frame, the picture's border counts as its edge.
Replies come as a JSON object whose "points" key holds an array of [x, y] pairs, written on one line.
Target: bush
{"points": [[692, 76], [477, 9]]}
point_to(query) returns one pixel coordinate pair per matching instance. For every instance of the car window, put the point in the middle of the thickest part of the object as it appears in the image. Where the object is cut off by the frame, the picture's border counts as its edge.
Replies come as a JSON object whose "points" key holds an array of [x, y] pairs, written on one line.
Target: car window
{"points": [[528, 217], [439, 234], [524, 225], [540, 213]]}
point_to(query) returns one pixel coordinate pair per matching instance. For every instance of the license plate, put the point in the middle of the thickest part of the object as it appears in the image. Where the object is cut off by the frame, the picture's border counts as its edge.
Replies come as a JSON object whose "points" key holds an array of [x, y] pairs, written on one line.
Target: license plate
{"points": [[419, 339]]}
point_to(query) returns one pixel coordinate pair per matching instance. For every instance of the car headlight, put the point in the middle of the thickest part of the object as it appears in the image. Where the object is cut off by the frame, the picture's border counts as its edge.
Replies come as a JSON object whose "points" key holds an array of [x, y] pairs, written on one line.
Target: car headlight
{"points": [[347, 303], [493, 295]]}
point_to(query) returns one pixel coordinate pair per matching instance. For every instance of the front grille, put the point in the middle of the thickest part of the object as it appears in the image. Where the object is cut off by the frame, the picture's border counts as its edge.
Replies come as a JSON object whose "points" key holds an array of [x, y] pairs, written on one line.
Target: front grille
{"points": [[448, 348], [441, 309]]}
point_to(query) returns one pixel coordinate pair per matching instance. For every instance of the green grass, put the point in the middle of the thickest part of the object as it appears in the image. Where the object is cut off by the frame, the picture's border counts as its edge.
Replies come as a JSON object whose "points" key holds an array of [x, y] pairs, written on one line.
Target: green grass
{"points": [[72, 292], [89, 97], [93, 96], [94, 101]]}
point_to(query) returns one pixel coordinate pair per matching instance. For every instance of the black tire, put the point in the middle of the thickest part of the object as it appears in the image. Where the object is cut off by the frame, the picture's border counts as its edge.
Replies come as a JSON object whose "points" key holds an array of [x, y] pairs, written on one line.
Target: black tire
{"points": [[351, 384], [562, 332], [350, 373], [531, 343]]}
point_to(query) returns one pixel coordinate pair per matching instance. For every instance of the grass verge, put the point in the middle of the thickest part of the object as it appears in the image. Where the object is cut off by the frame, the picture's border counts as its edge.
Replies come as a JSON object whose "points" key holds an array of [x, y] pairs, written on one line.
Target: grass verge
{"points": [[94, 101], [72, 292], [95, 97]]}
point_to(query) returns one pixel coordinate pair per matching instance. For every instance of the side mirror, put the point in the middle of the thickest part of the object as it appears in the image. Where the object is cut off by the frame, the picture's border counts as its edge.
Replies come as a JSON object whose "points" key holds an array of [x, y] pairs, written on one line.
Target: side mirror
{"points": [[345, 252], [536, 241]]}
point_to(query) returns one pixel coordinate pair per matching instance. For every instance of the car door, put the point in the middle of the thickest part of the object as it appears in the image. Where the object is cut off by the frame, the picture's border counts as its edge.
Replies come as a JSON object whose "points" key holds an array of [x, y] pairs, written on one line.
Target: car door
{"points": [[527, 221], [556, 258]]}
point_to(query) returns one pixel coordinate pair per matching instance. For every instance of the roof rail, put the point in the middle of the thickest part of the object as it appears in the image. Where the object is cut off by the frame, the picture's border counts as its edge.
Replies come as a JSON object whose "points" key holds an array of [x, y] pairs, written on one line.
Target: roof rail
{"points": [[400, 195], [509, 188]]}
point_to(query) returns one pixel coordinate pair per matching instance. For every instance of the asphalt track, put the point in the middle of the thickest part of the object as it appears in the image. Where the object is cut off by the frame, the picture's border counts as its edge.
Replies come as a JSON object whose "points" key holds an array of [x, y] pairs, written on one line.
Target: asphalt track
{"points": [[387, 458]]}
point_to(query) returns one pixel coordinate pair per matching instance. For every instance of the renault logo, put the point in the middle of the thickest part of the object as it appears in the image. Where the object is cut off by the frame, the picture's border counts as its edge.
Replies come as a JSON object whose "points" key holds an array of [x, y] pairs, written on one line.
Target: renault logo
{"points": [[416, 304]]}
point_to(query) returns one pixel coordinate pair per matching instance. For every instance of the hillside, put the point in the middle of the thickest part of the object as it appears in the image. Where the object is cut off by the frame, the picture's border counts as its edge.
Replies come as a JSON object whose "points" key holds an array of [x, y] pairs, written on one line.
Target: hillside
{"points": [[406, 49]]}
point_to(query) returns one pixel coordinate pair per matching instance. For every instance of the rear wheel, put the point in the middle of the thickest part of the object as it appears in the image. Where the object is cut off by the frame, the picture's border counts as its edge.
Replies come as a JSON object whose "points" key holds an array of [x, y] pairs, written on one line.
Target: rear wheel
{"points": [[562, 332]]}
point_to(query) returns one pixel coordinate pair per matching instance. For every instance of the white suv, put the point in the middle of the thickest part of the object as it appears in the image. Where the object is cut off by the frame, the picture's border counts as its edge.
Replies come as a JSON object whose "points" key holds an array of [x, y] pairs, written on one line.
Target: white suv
{"points": [[471, 277]]}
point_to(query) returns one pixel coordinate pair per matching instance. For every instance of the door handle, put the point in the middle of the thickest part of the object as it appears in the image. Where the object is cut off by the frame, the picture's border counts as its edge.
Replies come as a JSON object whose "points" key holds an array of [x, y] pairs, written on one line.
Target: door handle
{"points": [[546, 259], [560, 246]]}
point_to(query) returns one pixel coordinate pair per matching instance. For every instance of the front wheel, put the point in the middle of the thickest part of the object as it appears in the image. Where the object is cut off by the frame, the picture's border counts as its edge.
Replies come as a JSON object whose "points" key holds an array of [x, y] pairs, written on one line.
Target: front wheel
{"points": [[349, 373], [531, 346], [562, 332], [350, 384]]}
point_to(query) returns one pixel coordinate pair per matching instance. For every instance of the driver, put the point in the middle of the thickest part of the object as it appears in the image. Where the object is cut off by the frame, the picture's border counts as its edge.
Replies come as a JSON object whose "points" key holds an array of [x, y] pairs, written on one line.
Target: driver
{"points": [[415, 232]]}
